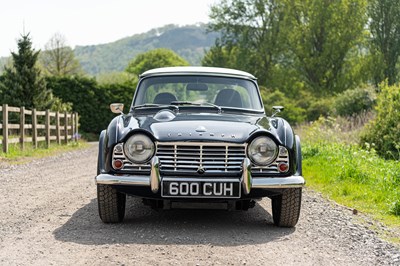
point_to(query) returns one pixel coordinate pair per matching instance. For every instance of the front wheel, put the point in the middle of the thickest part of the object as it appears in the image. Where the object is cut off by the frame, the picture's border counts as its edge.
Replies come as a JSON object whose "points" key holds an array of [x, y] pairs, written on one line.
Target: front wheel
{"points": [[111, 204], [286, 207]]}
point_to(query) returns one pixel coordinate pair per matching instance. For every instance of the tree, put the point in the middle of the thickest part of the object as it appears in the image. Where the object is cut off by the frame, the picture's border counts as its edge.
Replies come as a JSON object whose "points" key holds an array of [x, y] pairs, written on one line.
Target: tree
{"points": [[251, 31], [322, 35], [153, 59], [22, 84], [384, 26], [58, 59]]}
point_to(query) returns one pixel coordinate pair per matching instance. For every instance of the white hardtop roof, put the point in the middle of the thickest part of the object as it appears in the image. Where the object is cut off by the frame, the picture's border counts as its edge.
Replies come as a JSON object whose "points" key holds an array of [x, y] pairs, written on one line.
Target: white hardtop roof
{"points": [[187, 70]]}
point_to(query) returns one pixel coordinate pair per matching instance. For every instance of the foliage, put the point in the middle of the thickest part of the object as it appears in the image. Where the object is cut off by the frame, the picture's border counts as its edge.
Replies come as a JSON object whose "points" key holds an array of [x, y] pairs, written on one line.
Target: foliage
{"points": [[250, 30], [60, 106], [384, 130], [384, 25], [323, 37], [355, 101], [22, 84], [304, 52], [5, 62], [189, 42], [153, 59], [221, 56], [343, 130], [123, 78], [293, 113], [58, 59], [90, 100]]}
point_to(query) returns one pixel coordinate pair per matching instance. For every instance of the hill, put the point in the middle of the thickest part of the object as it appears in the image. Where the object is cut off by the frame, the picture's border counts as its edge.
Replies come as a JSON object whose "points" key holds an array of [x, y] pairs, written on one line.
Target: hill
{"points": [[190, 42]]}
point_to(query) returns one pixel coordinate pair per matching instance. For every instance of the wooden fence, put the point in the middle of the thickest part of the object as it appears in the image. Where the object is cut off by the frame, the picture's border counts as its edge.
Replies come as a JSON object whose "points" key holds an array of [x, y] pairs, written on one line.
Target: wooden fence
{"points": [[34, 126]]}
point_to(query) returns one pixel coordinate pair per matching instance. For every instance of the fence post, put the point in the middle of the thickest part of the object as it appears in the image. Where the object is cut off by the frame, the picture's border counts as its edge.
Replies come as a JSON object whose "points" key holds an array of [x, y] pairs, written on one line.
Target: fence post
{"points": [[76, 126], [22, 127], [34, 129], [47, 128], [58, 128], [73, 126], [5, 128], [66, 127]]}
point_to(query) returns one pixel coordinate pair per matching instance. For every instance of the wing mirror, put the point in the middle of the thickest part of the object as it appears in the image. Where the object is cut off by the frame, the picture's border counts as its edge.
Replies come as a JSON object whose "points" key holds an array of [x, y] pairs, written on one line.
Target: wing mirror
{"points": [[277, 109], [117, 108]]}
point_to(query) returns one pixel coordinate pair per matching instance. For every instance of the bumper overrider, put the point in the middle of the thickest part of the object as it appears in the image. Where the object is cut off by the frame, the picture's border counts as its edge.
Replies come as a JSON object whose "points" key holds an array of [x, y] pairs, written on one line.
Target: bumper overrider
{"points": [[246, 180]]}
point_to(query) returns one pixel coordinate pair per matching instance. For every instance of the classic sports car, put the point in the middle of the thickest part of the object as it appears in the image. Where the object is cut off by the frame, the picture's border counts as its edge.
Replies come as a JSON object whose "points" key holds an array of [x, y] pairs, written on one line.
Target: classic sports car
{"points": [[198, 137]]}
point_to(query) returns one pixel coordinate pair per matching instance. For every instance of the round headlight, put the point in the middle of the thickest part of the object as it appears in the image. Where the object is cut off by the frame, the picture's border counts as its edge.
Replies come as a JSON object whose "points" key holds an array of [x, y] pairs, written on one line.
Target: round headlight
{"points": [[139, 148], [262, 151]]}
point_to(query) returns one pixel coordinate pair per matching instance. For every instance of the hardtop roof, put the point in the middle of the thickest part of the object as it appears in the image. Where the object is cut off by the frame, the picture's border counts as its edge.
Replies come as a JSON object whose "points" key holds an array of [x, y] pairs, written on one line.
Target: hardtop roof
{"points": [[198, 70]]}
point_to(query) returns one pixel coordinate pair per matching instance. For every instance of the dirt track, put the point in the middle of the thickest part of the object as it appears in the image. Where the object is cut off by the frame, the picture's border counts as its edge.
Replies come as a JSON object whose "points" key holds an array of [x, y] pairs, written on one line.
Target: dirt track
{"points": [[48, 216]]}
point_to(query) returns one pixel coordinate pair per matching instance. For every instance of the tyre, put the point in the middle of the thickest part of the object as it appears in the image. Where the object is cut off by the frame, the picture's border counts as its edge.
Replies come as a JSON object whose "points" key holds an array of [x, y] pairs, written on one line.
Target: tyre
{"points": [[111, 204], [286, 207]]}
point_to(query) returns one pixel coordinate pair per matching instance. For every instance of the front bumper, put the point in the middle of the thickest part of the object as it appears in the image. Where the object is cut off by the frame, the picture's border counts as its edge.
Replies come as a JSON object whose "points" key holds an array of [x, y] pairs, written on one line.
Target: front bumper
{"points": [[248, 182]]}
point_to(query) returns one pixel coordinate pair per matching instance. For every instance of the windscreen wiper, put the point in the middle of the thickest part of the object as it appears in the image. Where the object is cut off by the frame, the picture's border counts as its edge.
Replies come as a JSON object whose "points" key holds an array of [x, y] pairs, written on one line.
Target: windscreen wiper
{"points": [[197, 104], [150, 105]]}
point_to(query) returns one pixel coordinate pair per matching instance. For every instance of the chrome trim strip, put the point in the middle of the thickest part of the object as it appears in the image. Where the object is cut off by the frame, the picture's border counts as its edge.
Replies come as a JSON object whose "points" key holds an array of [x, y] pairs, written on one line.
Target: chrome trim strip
{"points": [[201, 143], [134, 180], [129, 180], [246, 178], [155, 174], [279, 182]]}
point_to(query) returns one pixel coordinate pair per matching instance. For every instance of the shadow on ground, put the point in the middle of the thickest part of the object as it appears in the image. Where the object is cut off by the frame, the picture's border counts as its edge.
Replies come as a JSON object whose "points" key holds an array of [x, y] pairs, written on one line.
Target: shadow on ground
{"points": [[143, 225]]}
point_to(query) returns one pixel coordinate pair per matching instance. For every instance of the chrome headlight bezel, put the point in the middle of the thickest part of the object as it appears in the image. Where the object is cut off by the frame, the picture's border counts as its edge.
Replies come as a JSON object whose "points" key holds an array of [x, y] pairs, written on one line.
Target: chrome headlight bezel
{"points": [[262, 151], [139, 148]]}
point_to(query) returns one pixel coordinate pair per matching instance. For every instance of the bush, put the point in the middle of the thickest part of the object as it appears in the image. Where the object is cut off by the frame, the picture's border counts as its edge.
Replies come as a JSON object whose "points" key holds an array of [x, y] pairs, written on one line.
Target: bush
{"points": [[354, 101], [293, 113], [90, 100], [321, 107], [384, 130]]}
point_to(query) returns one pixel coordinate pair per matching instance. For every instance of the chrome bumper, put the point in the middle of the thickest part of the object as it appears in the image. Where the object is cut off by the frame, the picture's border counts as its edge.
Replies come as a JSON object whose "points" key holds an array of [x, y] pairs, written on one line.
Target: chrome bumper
{"points": [[247, 181]]}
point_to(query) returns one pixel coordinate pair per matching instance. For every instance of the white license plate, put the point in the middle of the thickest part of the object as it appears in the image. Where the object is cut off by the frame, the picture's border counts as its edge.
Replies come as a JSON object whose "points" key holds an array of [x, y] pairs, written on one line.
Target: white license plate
{"points": [[200, 189]]}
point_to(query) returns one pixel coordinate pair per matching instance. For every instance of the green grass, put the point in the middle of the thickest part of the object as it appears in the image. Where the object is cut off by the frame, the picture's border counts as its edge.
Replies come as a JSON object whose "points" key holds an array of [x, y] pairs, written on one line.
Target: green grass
{"points": [[16, 156], [356, 178], [344, 172]]}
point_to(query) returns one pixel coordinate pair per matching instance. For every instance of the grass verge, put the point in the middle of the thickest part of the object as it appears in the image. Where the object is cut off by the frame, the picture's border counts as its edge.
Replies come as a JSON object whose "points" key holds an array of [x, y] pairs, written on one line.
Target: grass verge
{"points": [[16, 156], [355, 177]]}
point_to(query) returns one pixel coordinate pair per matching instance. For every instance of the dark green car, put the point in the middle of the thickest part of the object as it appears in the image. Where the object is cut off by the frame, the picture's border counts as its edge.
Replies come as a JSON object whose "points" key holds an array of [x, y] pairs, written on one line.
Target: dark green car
{"points": [[198, 137]]}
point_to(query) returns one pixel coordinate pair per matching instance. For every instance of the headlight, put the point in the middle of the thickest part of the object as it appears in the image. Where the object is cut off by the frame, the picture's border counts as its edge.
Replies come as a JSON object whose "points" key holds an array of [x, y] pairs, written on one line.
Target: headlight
{"points": [[262, 151], [139, 148]]}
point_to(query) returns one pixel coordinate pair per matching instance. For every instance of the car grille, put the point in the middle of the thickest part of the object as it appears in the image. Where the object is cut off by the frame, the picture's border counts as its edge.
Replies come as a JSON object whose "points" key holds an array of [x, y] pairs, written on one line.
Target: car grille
{"points": [[196, 157], [191, 157]]}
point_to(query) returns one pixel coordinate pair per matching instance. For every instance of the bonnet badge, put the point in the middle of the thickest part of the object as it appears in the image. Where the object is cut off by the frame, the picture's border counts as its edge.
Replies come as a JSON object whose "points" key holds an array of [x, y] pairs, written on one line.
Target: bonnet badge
{"points": [[201, 129]]}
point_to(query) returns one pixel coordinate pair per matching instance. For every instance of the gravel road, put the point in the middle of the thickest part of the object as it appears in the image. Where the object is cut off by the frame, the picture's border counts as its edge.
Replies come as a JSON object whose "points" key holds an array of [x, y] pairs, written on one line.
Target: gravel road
{"points": [[48, 216]]}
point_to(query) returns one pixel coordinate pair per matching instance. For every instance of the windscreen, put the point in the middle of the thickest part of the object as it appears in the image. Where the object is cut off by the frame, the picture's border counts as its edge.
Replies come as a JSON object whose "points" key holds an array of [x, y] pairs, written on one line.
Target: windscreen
{"points": [[221, 91]]}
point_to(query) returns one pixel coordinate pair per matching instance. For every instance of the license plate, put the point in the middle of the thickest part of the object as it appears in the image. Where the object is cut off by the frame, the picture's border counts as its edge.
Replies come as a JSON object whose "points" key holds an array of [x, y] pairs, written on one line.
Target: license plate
{"points": [[200, 189]]}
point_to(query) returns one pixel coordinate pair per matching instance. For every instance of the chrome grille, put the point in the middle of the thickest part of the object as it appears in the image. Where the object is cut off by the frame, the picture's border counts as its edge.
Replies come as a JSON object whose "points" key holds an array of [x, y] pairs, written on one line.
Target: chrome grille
{"points": [[192, 156], [189, 157], [128, 166]]}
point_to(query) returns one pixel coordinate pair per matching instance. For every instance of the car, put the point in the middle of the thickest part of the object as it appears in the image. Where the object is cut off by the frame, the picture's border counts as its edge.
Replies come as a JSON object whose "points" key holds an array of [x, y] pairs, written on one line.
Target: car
{"points": [[199, 138]]}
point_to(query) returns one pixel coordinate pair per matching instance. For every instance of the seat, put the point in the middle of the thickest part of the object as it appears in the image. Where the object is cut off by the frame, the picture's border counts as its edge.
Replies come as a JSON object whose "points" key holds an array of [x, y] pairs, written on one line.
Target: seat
{"points": [[164, 98], [229, 97]]}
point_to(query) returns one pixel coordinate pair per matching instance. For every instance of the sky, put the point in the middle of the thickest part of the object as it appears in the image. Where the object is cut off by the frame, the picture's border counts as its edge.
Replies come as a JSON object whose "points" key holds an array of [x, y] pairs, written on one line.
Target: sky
{"points": [[86, 22]]}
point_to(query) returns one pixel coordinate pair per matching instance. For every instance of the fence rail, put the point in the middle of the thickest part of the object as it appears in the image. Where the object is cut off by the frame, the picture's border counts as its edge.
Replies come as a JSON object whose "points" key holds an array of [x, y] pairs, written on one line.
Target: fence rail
{"points": [[42, 125]]}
